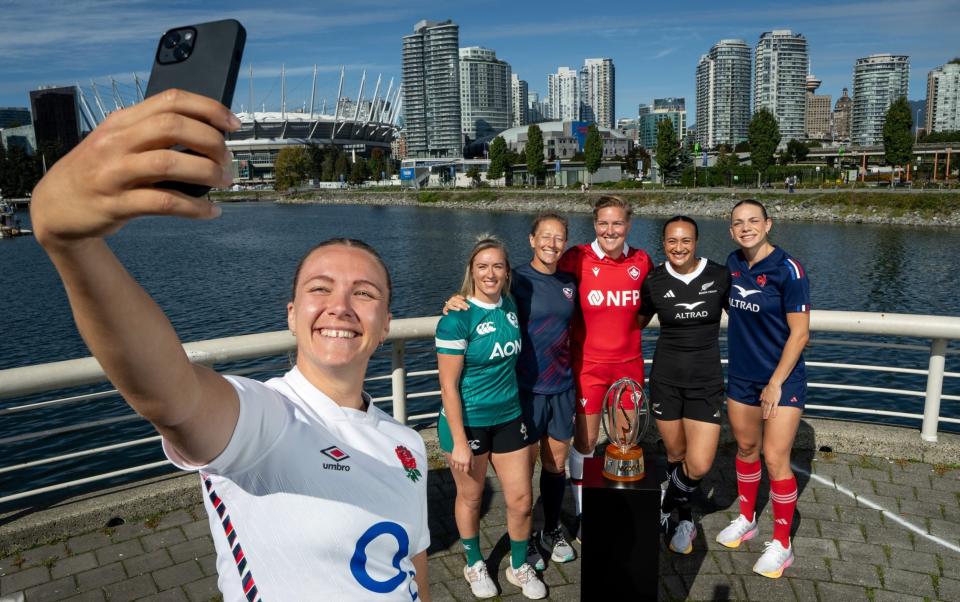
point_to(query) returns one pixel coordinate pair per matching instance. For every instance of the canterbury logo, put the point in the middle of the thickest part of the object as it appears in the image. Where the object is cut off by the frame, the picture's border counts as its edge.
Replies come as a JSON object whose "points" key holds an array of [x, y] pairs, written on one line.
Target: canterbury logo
{"points": [[689, 306], [485, 328], [706, 286], [744, 292], [669, 295]]}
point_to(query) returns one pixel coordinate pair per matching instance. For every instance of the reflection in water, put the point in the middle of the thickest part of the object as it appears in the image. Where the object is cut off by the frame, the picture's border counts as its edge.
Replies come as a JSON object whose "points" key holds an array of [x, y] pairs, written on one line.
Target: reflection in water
{"points": [[884, 279]]}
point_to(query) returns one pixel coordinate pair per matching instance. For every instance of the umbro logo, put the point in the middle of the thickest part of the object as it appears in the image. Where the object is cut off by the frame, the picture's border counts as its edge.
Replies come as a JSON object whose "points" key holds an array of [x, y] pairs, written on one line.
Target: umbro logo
{"points": [[744, 293], [669, 294], [337, 455], [596, 271], [487, 327], [633, 272]]}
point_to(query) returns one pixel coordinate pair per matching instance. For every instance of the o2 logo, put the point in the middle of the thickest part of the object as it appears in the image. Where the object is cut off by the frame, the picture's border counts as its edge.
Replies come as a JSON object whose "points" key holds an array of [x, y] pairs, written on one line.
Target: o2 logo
{"points": [[358, 563]]}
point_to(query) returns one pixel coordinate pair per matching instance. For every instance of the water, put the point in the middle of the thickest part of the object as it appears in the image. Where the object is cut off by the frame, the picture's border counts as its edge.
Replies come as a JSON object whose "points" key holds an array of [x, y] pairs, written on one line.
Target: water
{"points": [[232, 276]]}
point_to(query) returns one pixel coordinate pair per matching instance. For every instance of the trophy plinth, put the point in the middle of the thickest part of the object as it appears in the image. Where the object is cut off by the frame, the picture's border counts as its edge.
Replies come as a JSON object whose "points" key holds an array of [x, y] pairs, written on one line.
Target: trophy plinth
{"points": [[624, 421], [623, 464]]}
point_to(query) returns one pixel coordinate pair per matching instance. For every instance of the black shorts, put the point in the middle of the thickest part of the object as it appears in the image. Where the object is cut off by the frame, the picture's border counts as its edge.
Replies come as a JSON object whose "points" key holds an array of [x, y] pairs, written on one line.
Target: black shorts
{"points": [[500, 438], [670, 402]]}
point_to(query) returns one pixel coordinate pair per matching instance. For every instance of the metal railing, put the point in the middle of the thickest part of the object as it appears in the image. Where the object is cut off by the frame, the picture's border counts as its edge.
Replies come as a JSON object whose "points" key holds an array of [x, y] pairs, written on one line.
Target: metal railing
{"points": [[30, 380]]}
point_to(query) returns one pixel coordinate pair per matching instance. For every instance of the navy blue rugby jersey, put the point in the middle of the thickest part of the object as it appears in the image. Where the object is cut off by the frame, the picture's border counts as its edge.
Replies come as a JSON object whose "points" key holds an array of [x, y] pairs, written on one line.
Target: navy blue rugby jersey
{"points": [[545, 306], [760, 299], [689, 307]]}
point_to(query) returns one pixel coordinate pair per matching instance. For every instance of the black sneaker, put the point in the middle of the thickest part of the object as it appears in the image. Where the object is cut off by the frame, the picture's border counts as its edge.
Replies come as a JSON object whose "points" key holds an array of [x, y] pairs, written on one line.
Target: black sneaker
{"points": [[534, 557]]}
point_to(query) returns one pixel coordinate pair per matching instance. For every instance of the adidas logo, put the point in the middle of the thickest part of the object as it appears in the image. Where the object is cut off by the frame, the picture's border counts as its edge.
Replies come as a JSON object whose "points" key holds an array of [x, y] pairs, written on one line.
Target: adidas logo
{"points": [[716, 414], [743, 498], [669, 295], [781, 521]]}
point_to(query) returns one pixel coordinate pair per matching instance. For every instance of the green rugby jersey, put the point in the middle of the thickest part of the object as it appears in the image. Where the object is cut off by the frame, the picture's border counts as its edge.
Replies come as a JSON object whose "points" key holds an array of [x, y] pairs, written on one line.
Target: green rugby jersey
{"points": [[488, 336]]}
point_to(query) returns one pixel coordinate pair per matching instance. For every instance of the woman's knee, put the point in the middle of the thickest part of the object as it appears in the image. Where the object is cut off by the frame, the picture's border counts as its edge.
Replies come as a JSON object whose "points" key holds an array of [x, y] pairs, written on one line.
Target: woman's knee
{"points": [[696, 470], [519, 503]]}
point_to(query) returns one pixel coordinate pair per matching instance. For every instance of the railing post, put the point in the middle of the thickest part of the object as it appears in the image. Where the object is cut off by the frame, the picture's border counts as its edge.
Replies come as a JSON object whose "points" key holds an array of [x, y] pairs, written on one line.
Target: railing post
{"points": [[399, 382], [931, 407]]}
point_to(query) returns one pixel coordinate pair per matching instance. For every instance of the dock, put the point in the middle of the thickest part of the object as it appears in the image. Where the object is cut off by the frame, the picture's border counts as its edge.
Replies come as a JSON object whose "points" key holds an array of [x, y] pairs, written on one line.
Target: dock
{"points": [[871, 525]]}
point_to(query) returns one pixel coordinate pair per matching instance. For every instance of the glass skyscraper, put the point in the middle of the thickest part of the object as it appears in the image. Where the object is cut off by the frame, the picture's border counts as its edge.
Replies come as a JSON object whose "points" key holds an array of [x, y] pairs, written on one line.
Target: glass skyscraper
{"points": [[431, 90], [723, 94], [878, 80]]}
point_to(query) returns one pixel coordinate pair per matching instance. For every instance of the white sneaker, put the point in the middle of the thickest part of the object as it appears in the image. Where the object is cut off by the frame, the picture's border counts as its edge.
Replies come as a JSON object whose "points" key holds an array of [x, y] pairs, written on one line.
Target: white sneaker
{"points": [[479, 579], [682, 540], [560, 550], [774, 560], [526, 579], [737, 532]]}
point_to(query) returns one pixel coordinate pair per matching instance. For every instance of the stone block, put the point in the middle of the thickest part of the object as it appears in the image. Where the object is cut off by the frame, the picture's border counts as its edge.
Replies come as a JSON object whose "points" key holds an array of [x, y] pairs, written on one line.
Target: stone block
{"points": [[191, 549], [178, 574], [854, 573], [128, 531], [72, 565], [100, 576], [803, 589], [130, 589], [196, 529], [147, 563], [877, 475], [208, 564], [88, 541], [205, 589], [862, 552], [844, 593], [811, 510], [948, 589], [24, 579], [176, 519], [52, 590], [762, 589], [162, 539], [920, 562], [840, 531], [118, 551], [909, 582], [43, 554], [892, 535], [711, 587], [918, 480], [882, 595], [171, 595], [96, 595]]}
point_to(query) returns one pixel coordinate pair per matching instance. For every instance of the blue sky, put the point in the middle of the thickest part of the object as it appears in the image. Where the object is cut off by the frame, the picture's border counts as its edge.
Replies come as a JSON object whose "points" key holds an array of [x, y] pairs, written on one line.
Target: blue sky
{"points": [[655, 46]]}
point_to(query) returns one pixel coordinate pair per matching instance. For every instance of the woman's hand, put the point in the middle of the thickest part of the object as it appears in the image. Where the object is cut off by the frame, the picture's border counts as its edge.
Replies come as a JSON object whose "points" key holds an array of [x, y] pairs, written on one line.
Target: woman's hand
{"points": [[770, 400], [455, 303], [108, 178], [461, 458]]}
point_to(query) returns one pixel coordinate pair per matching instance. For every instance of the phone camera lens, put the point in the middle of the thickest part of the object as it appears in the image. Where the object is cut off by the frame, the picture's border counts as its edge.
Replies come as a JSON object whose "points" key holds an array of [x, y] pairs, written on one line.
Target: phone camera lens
{"points": [[181, 52], [171, 39]]}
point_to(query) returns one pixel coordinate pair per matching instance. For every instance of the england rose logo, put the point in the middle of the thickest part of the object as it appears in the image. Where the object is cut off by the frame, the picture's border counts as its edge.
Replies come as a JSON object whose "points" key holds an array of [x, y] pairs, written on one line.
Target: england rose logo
{"points": [[409, 463]]}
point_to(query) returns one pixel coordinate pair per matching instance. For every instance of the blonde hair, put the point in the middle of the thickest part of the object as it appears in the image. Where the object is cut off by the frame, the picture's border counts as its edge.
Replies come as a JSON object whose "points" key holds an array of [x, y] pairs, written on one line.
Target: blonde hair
{"points": [[609, 200], [484, 242]]}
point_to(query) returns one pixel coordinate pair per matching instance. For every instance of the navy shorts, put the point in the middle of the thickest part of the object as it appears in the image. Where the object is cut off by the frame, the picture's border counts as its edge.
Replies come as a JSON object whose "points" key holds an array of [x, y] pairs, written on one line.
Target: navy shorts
{"points": [[549, 414], [670, 402], [498, 438], [792, 394]]}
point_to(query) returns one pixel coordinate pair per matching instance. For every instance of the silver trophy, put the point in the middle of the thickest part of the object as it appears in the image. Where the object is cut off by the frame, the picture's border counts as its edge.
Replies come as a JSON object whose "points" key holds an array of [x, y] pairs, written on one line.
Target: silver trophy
{"points": [[625, 419]]}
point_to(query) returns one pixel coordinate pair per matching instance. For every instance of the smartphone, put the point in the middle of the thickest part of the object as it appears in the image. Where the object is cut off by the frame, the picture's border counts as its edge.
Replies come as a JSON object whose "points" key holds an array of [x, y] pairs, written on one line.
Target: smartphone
{"points": [[203, 59]]}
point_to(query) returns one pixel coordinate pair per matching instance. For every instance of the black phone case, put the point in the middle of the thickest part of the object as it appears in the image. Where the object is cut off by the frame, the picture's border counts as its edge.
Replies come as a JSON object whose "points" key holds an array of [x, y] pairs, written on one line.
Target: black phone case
{"points": [[210, 70]]}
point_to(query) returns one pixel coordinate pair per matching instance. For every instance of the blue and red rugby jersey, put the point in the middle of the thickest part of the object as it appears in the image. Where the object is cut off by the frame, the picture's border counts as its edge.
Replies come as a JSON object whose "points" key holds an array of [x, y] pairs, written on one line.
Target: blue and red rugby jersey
{"points": [[760, 299]]}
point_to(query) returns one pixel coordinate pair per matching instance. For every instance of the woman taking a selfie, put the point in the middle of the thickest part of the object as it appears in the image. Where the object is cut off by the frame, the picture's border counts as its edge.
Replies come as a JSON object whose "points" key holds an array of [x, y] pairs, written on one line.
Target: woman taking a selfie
{"points": [[312, 492], [769, 307], [481, 422]]}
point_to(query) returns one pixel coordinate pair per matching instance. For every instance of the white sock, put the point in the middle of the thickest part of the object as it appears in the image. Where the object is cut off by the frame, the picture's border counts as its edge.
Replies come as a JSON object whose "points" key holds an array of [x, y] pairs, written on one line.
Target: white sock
{"points": [[576, 477]]}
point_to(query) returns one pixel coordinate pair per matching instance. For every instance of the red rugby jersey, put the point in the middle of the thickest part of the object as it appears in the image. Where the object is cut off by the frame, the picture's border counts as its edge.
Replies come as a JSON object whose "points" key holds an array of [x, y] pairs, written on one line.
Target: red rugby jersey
{"points": [[605, 329]]}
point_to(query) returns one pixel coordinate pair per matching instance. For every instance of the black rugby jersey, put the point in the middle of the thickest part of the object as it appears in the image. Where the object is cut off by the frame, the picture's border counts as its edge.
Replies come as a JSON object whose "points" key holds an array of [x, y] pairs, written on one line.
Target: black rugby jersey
{"points": [[689, 307]]}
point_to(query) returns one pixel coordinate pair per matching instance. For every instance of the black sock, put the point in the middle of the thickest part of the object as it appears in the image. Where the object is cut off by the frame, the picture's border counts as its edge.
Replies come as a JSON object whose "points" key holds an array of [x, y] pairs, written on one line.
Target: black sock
{"points": [[552, 487], [679, 492]]}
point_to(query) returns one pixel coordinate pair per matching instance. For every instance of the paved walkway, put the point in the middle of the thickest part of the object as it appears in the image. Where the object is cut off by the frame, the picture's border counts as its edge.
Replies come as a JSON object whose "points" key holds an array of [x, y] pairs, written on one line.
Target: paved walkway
{"points": [[869, 529]]}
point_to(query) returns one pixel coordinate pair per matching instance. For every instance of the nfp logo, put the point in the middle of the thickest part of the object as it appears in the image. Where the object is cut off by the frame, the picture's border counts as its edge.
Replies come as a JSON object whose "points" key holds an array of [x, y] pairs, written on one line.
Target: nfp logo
{"points": [[624, 298]]}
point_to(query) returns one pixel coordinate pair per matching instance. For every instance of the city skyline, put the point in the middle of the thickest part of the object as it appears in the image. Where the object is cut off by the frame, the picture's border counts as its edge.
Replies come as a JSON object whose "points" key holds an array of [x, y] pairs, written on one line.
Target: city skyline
{"points": [[655, 50]]}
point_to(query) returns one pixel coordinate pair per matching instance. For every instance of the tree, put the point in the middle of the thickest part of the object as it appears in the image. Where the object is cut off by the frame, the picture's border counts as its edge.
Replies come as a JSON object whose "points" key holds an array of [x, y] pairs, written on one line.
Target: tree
{"points": [[764, 136], [498, 158], [316, 153], [357, 175], [341, 167], [474, 174], [668, 151], [292, 167], [797, 151], [377, 164], [534, 153], [897, 139], [593, 149]]}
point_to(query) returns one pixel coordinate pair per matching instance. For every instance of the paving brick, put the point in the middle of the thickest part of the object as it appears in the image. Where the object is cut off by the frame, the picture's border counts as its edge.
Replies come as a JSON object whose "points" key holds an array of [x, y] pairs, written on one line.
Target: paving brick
{"points": [[881, 595], [946, 498], [834, 497], [206, 588], [861, 552], [88, 541], [162, 539], [171, 595], [100, 576], [43, 555], [920, 562], [53, 590], [854, 573], [96, 595], [803, 589], [196, 529], [129, 531], [861, 516], [870, 474], [118, 551], [919, 480], [763, 589], [208, 564], [808, 566], [944, 528], [948, 589], [840, 531], [905, 493], [175, 519], [909, 582], [23, 579], [147, 563], [942, 484], [192, 549], [893, 536], [131, 589], [846, 593], [10, 564], [675, 587], [178, 574], [710, 587], [921, 509], [73, 565]]}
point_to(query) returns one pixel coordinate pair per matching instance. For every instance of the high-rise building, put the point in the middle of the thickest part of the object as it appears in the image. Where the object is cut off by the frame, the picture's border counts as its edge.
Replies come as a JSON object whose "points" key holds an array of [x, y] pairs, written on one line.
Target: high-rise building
{"points": [[878, 80], [723, 94], [11, 117], [843, 117], [56, 121], [485, 93], [817, 120], [519, 97], [943, 98], [562, 90], [781, 64], [431, 90], [663, 109], [597, 92], [536, 111]]}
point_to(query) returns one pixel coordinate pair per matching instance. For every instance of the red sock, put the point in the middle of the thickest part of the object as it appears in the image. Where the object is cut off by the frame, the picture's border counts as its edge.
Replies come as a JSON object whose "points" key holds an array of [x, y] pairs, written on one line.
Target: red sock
{"points": [[748, 483], [783, 494]]}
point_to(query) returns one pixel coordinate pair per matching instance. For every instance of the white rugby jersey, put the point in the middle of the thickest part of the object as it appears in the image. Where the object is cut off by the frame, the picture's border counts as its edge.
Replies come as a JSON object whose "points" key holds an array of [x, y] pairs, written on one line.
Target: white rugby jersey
{"points": [[311, 501]]}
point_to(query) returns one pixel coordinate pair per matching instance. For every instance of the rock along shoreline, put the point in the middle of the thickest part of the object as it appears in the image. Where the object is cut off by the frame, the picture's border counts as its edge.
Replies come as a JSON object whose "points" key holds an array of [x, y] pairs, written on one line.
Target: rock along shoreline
{"points": [[925, 209]]}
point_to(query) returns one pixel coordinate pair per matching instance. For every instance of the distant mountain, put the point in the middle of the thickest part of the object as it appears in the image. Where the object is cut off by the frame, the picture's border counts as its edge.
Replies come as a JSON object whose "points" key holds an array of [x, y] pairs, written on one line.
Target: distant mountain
{"points": [[918, 105]]}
